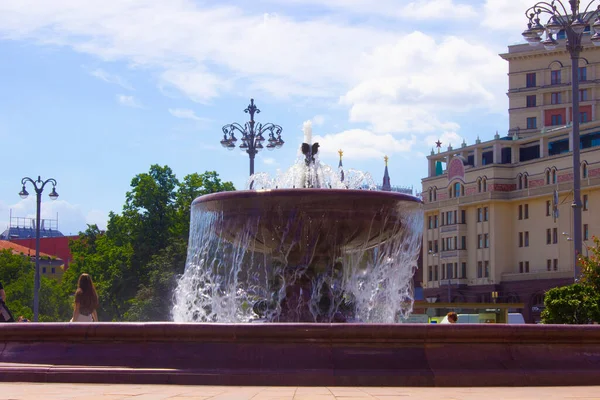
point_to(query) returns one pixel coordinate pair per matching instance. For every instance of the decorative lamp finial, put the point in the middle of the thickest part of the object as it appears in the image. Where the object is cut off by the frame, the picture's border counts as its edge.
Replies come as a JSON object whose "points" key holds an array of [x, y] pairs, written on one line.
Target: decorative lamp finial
{"points": [[386, 158], [341, 153], [438, 144]]}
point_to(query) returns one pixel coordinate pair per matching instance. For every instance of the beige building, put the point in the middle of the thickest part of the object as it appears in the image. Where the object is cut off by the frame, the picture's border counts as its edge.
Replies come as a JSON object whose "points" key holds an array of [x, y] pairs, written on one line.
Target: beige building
{"points": [[498, 215]]}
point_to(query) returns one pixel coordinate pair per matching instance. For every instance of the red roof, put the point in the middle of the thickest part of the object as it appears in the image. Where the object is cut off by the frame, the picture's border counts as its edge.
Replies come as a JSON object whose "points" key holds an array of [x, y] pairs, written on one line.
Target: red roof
{"points": [[18, 249]]}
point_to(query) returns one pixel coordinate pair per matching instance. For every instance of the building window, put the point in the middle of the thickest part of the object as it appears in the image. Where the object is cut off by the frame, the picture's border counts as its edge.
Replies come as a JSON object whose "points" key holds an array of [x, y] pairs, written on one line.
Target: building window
{"points": [[520, 182], [479, 241], [463, 216], [525, 181], [583, 117], [556, 264], [486, 269], [554, 235], [526, 266], [582, 75], [430, 246], [443, 271], [479, 215], [479, 185], [435, 246], [531, 123], [531, 79], [486, 240], [547, 177], [463, 270], [554, 176], [585, 202], [548, 236], [527, 239], [435, 273], [586, 232], [479, 269], [429, 222], [43, 270], [520, 212], [555, 77], [583, 94], [548, 207], [520, 239], [526, 211], [484, 184], [521, 267], [549, 265], [584, 171], [531, 100], [486, 214], [53, 270], [555, 98], [463, 242], [429, 273], [556, 119]]}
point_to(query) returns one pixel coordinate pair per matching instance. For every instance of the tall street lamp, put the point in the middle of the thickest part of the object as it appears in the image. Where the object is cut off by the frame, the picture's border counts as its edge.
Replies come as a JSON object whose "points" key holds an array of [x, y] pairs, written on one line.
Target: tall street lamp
{"points": [[252, 135], [38, 186], [573, 23]]}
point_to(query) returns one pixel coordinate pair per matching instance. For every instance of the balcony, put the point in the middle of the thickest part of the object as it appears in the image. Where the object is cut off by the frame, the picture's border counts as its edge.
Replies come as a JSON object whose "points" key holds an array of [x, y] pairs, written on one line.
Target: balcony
{"points": [[537, 274]]}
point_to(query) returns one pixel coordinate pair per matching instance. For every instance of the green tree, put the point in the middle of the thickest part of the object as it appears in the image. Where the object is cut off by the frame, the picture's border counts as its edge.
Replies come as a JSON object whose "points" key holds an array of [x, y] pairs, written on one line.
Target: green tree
{"points": [[17, 274], [135, 263], [573, 304], [578, 303]]}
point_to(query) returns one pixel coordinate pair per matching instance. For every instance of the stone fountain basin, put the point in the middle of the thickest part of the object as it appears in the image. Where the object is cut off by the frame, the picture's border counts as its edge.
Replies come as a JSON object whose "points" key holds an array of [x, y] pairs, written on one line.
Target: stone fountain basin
{"points": [[314, 221]]}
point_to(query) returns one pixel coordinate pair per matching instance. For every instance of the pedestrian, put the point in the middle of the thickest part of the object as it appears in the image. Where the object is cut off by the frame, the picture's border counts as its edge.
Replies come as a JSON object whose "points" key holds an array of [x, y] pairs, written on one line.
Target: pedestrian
{"points": [[86, 300], [450, 318], [5, 314]]}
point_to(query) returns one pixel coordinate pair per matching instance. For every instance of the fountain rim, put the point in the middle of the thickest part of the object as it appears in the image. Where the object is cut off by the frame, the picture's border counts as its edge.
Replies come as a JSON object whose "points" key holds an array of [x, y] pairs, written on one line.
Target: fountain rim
{"points": [[219, 196]]}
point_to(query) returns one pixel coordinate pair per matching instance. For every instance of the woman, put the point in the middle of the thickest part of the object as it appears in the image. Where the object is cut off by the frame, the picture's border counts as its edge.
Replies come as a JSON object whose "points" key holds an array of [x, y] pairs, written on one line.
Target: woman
{"points": [[86, 301]]}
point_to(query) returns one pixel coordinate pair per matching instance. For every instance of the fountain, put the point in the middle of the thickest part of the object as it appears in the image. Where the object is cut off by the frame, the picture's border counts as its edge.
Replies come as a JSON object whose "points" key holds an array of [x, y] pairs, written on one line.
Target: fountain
{"points": [[312, 245]]}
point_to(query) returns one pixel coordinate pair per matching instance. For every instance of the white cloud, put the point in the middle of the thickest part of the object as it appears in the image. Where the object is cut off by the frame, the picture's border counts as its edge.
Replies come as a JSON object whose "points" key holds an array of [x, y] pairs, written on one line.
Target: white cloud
{"points": [[269, 161], [128, 101], [185, 113], [362, 144], [418, 84], [506, 16], [110, 78], [391, 81], [318, 120], [414, 10]]}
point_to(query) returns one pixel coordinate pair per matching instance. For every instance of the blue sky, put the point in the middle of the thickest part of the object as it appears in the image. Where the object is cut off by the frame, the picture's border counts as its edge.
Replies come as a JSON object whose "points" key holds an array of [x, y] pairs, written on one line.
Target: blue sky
{"points": [[93, 93]]}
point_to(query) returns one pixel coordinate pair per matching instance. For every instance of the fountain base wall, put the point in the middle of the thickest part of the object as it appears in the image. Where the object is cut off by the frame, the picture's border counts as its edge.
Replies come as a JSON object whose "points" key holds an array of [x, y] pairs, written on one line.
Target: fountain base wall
{"points": [[301, 354]]}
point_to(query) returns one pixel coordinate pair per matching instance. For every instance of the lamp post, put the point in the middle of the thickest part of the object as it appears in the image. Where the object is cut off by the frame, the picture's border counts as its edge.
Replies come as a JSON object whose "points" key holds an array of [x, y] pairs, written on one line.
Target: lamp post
{"points": [[252, 135], [573, 23], [570, 239], [38, 185]]}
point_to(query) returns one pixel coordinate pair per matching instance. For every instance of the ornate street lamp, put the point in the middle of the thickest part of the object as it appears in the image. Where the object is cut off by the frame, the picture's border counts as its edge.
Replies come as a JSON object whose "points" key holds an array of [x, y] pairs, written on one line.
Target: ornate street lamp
{"points": [[573, 23], [252, 135], [38, 186]]}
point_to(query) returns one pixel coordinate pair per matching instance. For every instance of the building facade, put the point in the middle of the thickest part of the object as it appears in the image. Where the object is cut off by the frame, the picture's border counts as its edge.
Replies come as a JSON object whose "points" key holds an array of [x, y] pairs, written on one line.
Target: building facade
{"points": [[498, 215]]}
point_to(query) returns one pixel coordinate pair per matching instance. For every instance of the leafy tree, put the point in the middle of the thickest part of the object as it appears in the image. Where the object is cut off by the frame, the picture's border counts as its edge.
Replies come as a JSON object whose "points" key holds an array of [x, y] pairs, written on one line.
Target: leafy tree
{"points": [[17, 274], [578, 303], [136, 262], [573, 304]]}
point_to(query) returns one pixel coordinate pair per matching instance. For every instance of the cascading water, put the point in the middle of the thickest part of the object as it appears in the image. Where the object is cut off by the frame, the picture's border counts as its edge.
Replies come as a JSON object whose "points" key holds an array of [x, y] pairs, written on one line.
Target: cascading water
{"points": [[311, 250]]}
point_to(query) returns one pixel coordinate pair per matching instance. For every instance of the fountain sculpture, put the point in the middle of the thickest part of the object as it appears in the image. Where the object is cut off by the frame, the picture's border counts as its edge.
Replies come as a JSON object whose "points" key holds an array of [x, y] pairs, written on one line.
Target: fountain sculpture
{"points": [[312, 245]]}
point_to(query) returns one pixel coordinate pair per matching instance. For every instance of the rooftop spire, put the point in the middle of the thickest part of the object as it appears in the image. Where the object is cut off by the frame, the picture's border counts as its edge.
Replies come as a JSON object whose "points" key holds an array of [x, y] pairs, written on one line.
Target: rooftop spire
{"points": [[386, 177], [340, 165]]}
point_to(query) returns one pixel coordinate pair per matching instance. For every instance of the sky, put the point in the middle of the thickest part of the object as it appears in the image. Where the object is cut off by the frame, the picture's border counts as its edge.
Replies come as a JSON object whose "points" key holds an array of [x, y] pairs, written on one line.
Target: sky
{"points": [[94, 92]]}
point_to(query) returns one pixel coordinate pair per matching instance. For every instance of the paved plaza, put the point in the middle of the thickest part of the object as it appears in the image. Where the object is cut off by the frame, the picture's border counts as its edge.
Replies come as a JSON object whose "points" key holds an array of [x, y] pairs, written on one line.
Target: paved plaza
{"points": [[50, 391]]}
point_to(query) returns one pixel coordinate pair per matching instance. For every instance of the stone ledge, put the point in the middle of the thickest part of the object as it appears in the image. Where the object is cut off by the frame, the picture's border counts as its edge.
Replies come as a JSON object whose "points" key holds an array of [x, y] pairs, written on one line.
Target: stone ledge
{"points": [[302, 354]]}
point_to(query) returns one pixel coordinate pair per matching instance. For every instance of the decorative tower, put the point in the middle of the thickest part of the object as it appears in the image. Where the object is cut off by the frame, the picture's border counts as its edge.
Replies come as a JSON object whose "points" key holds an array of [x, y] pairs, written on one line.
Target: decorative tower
{"points": [[341, 166], [386, 177]]}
